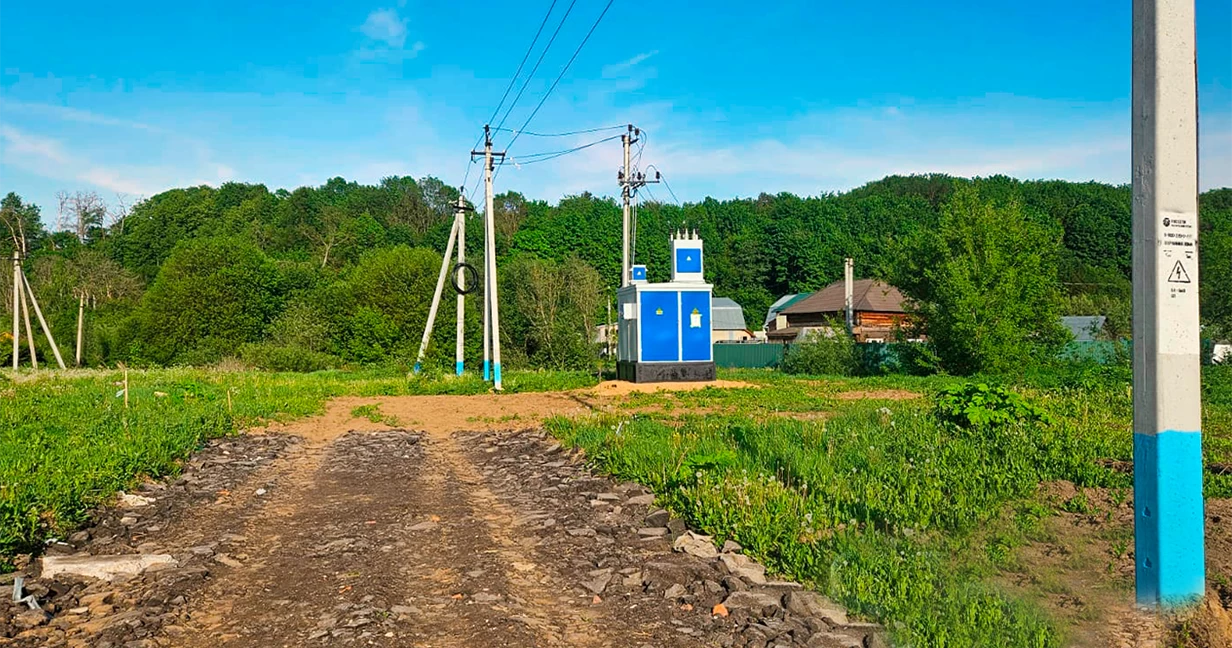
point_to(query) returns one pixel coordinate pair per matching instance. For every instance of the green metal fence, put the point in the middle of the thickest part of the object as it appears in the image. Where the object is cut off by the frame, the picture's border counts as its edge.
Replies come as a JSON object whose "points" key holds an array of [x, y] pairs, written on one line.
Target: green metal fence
{"points": [[748, 356]]}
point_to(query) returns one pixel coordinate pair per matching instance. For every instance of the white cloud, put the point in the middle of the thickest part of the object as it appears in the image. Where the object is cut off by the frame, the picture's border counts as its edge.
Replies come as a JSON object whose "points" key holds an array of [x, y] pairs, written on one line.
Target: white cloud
{"points": [[73, 114], [25, 146], [52, 159], [386, 26], [114, 180], [618, 69]]}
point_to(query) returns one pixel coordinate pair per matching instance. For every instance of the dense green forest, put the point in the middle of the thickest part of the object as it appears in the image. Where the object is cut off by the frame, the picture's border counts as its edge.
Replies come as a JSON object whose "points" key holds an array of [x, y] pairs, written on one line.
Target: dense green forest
{"points": [[343, 273]]}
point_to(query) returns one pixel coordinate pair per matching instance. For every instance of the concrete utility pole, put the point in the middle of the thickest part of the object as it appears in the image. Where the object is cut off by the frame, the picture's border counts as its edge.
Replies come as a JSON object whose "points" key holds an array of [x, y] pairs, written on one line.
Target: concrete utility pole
{"points": [[457, 235], [491, 330], [436, 295], [848, 292], [16, 307], [1168, 508], [55, 349], [629, 180], [460, 214]]}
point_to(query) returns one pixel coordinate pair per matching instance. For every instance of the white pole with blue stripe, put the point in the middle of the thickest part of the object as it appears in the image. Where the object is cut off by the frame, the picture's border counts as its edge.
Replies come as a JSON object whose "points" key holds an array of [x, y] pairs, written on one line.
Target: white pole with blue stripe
{"points": [[1168, 506], [460, 349]]}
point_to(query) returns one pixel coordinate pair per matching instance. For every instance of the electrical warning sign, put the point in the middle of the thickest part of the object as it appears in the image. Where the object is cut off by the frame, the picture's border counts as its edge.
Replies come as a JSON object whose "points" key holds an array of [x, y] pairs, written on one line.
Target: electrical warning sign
{"points": [[1178, 274]]}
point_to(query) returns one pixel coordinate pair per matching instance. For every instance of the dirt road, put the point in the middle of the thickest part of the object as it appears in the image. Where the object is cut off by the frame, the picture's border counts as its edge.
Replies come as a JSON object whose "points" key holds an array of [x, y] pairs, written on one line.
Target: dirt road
{"points": [[445, 532]]}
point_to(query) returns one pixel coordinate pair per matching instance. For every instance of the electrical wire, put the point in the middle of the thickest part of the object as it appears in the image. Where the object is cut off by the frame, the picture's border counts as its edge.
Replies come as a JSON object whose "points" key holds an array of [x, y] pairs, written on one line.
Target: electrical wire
{"points": [[514, 79], [526, 56], [576, 132], [561, 75], [662, 178], [536, 68], [532, 158]]}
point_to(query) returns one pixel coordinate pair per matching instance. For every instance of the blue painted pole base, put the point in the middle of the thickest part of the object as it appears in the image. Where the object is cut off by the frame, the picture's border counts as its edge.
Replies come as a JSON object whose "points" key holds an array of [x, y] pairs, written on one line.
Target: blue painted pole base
{"points": [[417, 367], [487, 370], [1169, 518], [496, 373], [459, 367]]}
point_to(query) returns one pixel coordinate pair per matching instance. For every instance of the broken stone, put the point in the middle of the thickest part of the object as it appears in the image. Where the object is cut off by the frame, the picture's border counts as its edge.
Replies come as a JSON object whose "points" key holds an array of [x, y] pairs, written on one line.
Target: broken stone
{"points": [[731, 546], [834, 640], [128, 500], [424, 526], [675, 591], [642, 500], [740, 565], [30, 619], [658, 518], [652, 532], [755, 601], [806, 604], [228, 561], [734, 584], [599, 583], [105, 567], [695, 545], [405, 610]]}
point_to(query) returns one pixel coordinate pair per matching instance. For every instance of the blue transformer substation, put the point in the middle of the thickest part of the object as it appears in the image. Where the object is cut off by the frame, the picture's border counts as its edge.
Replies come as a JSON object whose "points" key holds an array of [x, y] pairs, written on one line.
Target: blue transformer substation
{"points": [[665, 329]]}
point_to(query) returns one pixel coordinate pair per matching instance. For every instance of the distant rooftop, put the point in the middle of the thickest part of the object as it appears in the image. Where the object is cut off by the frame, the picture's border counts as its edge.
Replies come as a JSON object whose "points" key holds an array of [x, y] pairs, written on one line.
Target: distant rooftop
{"points": [[726, 315], [868, 295], [782, 303]]}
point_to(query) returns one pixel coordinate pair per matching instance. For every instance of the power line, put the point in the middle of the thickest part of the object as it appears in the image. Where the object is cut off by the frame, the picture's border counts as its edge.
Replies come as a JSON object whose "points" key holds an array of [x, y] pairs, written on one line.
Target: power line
{"points": [[665, 183], [550, 155], [514, 79], [576, 132], [526, 56], [534, 69], [561, 75]]}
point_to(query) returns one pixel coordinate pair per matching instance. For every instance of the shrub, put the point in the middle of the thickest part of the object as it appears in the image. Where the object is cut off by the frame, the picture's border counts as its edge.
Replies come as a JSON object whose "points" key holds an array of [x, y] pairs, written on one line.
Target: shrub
{"points": [[983, 286], [978, 405], [275, 357], [826, 352], [211, 296]]}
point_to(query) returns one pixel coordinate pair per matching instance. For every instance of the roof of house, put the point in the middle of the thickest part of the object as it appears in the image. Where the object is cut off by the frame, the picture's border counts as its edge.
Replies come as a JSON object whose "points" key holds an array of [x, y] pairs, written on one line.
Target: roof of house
{"points": [[867, 295], [726, 315], [1084, 327], [783, 302]]}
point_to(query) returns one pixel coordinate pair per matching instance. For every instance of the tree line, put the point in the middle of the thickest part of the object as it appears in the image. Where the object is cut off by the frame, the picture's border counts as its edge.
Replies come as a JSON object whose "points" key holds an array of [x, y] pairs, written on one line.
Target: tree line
{"points": [[343, 273]]}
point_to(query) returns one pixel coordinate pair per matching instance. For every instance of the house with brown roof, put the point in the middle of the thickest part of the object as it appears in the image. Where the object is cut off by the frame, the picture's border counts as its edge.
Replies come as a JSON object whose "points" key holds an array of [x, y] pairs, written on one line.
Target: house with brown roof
{"points": [[877, 308]]}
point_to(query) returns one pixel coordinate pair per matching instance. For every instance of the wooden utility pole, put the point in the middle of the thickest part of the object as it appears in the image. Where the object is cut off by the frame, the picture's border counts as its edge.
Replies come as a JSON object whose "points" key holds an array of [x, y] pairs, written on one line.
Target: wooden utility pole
{"points": [[1168, 507]]}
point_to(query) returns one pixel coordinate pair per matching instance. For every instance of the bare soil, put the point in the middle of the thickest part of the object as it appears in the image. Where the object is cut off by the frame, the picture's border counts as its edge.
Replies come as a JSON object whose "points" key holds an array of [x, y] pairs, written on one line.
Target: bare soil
{"points": [[460, 532], [1081, 571]]}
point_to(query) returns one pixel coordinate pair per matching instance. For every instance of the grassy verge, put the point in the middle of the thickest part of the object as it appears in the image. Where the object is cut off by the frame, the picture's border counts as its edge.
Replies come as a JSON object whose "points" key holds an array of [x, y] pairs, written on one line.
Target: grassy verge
{"points": [[879, 504], [67, 441]]}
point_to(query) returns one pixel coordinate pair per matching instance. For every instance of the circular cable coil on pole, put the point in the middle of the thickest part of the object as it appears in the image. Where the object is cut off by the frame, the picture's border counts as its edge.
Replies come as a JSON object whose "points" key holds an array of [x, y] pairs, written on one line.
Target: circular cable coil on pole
{"points": [[471, 282]]}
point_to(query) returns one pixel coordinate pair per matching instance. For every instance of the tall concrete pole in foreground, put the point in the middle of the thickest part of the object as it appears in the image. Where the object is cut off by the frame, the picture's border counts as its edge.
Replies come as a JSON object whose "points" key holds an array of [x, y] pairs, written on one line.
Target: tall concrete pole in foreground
{"points": [[460, 349], [1168, 508]]}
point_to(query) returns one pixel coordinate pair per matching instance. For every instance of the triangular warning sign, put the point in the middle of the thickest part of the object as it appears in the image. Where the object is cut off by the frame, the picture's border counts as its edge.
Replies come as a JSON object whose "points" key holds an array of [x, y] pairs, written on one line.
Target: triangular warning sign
{"points": [[1178, 274]]}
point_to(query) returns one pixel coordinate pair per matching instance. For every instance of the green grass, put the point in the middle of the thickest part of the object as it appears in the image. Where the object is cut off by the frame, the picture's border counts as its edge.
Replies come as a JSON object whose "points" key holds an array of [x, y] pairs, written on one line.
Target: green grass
{"points": [[878, 504], [881, 506], [67, 442]]}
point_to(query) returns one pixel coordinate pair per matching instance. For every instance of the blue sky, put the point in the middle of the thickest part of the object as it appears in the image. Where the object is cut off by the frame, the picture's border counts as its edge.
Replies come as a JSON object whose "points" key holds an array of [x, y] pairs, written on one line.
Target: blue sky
{"points": [[736, 98]]}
